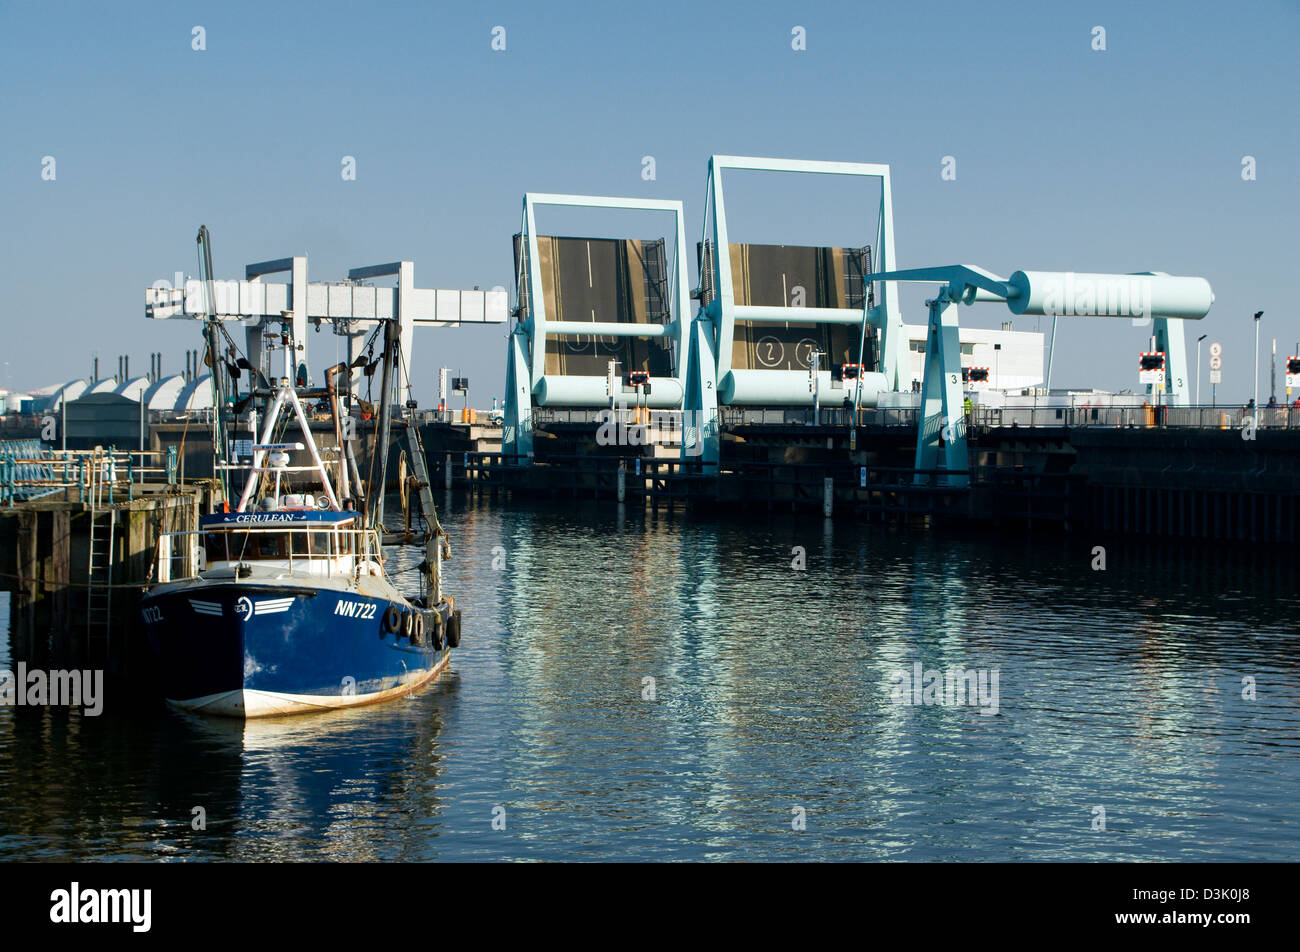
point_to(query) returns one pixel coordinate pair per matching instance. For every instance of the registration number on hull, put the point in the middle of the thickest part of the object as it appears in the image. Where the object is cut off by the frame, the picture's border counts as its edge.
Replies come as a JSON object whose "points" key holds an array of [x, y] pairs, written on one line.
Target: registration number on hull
{"points": [[359, 610]]}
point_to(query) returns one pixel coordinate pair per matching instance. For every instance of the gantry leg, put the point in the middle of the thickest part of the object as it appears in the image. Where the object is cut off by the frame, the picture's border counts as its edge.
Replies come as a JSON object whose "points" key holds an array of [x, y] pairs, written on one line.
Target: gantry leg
{"points": [[517, 428], [942, 419], [1170, 339], [700, 436]]}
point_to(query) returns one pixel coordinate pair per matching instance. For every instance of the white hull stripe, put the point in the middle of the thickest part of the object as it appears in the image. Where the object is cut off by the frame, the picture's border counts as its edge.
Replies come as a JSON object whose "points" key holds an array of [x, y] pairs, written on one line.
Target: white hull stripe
{"points": [[272, 606], [265, 606], [250, 703]]}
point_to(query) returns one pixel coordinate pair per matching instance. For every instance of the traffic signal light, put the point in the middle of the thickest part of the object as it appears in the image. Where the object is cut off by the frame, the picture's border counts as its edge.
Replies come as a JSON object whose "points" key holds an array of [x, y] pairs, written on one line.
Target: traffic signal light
{"points": [[976, 374], [1293, 365], [846, 371], [638, 378], [1154, 361]]}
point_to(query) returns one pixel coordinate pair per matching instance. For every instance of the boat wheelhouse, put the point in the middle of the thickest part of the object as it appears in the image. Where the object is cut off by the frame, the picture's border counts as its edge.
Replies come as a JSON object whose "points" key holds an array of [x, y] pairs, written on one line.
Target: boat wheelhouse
{"points": [[276, 543]]}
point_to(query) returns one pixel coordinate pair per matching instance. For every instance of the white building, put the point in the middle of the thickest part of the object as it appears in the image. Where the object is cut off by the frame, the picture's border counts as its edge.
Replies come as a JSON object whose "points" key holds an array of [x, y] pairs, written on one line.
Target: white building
{"points": [[68, 391], [196, 395], [1015, 365], [105, 385], [13, 400], [132, 389], [165, 394]]}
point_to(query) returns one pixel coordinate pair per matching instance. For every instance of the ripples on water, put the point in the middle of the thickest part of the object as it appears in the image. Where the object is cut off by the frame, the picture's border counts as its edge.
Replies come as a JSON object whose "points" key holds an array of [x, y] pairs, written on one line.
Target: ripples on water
{"points": [[1120, 689]]}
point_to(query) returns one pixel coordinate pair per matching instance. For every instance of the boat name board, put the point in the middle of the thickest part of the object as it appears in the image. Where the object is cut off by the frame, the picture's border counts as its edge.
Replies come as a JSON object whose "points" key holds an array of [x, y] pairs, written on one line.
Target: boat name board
{"points": [[273, 518]]}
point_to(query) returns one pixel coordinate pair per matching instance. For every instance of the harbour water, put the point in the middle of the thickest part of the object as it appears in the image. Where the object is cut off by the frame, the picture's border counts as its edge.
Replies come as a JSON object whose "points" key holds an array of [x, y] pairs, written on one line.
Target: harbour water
{"points": [[1163, 690]]}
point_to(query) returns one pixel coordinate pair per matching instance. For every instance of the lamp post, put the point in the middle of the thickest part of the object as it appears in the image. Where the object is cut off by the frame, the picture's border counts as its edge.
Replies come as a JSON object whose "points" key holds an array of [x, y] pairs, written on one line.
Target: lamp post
{"points": [[1198, 367], [814, 384], [1258, 315], [1272, 374]]}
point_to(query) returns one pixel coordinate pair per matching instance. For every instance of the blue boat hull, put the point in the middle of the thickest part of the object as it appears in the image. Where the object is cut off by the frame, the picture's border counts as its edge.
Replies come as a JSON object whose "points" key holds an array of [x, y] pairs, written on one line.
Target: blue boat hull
{"points": [[244, 650]]}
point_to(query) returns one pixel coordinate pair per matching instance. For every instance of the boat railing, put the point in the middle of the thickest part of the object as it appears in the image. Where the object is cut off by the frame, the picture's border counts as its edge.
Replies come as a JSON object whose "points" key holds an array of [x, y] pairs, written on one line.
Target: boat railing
{"points": [[182, 554]]}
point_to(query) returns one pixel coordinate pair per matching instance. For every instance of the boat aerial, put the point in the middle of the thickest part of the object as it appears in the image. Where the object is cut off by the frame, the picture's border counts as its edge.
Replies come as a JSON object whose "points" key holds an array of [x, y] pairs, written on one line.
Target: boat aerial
{"points": [[283, 605]]}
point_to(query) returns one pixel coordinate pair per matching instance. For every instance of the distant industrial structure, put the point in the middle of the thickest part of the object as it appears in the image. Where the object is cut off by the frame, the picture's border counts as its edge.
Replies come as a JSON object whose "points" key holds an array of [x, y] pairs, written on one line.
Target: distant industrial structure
{"points": [[607, 324], [109, 411], [783, 374], [178, 393]]}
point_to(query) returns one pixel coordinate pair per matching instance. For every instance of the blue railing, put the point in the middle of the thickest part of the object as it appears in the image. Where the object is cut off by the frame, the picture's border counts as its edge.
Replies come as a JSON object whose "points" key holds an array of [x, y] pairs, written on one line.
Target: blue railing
{"points": [[30, 471], [26, 471]]}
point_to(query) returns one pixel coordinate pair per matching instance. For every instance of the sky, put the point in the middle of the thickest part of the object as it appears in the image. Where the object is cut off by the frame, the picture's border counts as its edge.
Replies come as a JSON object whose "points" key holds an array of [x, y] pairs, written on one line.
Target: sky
{"points": [[1122, 159]]}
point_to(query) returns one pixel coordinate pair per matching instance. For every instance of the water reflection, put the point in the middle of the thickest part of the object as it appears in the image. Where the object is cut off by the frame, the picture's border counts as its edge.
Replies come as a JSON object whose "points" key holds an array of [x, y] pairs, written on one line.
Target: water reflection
{"points": [[771, 693]]}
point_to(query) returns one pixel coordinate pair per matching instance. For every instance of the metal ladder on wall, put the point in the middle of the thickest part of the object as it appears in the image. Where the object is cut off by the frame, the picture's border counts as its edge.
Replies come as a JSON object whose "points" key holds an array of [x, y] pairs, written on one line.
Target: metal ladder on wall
{"points": [[99, 574]]}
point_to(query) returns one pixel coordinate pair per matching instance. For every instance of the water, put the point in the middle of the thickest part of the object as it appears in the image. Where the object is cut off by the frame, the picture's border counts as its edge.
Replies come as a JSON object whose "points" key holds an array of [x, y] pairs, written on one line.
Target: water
{"points": [[1119, 689]]}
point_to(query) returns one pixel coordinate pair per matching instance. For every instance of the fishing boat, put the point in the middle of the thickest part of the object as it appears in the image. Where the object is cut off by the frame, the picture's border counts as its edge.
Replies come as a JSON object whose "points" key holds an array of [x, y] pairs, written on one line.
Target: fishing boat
{"points": [[282, 604]]}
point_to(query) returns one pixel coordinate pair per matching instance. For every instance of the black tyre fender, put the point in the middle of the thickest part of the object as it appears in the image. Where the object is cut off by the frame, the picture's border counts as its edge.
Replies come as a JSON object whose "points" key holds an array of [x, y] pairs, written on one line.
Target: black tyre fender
{"points": [[453, 629], [417, 628], [435, 631], [392, 620]]}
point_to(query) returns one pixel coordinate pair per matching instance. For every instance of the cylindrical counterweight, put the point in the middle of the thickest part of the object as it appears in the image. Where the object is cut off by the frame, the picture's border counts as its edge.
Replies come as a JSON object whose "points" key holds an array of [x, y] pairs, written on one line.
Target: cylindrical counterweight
{"points": [[1068, 293], [775, 388], [555, 390]]}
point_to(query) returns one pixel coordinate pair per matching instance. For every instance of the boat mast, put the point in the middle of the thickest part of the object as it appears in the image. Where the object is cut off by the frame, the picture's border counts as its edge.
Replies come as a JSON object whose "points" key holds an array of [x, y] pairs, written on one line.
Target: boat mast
{"points": [[264, 452], [392, 346], [217, 365]]}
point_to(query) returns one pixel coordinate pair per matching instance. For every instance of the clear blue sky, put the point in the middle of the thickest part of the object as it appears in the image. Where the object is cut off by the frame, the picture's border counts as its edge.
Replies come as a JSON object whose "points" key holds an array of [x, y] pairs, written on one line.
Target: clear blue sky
{"points": [[1067, 158]]}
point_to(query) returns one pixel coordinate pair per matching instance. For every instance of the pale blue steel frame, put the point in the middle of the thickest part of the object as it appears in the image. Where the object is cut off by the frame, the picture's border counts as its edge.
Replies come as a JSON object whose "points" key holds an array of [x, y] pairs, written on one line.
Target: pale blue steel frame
{"points": [[715, 328], [526, 357]]}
